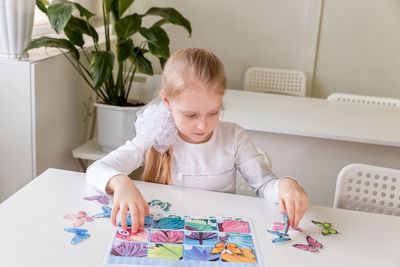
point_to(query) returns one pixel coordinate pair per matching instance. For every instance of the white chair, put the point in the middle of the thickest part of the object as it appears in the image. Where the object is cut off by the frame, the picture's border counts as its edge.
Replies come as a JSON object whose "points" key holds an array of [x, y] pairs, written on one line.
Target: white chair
{"points": [[368, 188], [365, 100], [242, 187], [281, 81]]}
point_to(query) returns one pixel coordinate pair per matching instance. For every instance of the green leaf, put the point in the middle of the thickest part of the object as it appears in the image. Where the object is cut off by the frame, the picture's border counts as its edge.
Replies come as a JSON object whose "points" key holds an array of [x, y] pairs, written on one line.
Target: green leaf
{"points": [[159, 49], [53, 42], [108, 4], [148, 34], [41, 4], [101, 66], [82, 26], [172, 16], [115, 11], [160, 34], [162, 62], [124, 49], [158, 41], [123, 5], [142, 63], [128, 25], [59, 14], [83, 12], [75, 37]]}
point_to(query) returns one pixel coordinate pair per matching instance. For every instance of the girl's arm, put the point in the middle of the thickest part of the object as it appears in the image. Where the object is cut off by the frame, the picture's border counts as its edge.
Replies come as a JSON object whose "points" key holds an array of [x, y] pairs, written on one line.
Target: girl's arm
{"points": [[286, 191], [121, 161], [110, 175]]}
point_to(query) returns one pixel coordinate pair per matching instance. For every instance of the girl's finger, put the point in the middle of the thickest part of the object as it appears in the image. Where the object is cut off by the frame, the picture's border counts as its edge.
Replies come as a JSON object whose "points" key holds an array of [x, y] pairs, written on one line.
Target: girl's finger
{"points": [[114, 212], [282, 206], [141, 217], [123, 211], [134, 218], [146, 210], [298, 213], [290, 211]]}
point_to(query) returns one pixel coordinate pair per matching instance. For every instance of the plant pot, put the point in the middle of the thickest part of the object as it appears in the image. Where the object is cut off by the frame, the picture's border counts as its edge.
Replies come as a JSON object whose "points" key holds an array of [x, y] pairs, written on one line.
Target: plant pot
{"points": [[115, 125], [16, 23]]}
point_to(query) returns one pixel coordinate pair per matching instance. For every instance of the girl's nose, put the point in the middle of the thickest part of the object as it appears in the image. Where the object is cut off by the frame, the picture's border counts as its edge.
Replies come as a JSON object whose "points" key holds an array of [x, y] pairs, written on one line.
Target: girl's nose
{"points": [[202, 125]]}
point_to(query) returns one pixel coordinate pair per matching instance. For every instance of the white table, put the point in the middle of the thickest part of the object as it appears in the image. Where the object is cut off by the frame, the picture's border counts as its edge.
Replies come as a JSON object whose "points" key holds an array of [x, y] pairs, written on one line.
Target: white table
{"points": [[313, 117], [31, 226]]}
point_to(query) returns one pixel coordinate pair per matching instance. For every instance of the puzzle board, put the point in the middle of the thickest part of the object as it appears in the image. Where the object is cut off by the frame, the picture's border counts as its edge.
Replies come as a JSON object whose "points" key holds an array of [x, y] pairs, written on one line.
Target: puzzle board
{"points": [[186, 241]]}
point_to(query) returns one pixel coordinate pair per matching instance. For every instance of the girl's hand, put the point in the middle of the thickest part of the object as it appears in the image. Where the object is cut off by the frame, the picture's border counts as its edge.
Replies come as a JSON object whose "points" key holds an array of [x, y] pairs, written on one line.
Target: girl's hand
{"points": [[127, 197], [293, 200]]}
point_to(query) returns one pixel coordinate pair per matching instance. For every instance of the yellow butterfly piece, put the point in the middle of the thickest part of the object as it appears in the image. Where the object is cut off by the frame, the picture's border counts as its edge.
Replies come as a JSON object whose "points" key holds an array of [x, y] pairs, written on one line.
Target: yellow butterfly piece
{"points": [[222, 248], [231, 253]]}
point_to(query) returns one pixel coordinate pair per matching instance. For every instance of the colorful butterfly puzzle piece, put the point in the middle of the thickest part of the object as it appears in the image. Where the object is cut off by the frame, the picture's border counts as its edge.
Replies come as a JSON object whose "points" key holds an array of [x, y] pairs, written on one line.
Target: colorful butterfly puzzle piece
{"points": [[286, 222], [154, 202], [228, 248], [100, 198], [326, 228], [79, 219], [80, 234], [312, 246], [107, 213], [165, 206], [279, 226], [147, 221], [282, 237]]}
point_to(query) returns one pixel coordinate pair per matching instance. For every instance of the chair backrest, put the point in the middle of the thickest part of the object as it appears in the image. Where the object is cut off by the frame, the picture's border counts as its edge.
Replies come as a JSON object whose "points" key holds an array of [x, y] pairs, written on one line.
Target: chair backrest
{"points": [[365, 100], [281, 81], [368, 188], [242, 187]]}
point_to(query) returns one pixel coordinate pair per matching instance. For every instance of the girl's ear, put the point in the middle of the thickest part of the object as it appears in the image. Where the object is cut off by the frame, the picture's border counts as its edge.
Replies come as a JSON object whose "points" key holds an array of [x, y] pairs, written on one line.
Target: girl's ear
{"points": [[164, 98]]}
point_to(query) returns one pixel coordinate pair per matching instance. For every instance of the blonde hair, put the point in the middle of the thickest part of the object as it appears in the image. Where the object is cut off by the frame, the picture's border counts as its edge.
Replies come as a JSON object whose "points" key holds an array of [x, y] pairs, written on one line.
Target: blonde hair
{"points": [[179, 73]]}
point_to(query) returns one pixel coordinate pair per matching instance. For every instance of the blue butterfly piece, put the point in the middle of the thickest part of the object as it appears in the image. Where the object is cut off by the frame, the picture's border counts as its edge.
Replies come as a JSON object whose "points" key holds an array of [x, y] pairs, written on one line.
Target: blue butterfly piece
{"points": [[147, 221], [281, 236], [286, 221], [105, 214], [80, 234], [154, 202], [165, 206]]}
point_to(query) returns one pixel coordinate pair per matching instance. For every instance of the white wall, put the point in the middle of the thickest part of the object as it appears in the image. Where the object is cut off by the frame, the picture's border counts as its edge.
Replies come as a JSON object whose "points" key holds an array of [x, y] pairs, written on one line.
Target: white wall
{"points": [[359, 48], [268, 33]]}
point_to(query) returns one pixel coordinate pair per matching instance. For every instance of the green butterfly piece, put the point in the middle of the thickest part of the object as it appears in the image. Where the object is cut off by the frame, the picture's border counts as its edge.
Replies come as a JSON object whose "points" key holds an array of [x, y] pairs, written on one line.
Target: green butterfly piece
{"points": [[166, 251], [326, 228]]}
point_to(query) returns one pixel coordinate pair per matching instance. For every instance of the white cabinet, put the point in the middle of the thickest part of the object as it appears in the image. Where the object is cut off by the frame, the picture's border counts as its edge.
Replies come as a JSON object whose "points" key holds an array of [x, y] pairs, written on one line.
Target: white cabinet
{"points": [[44, 109]]}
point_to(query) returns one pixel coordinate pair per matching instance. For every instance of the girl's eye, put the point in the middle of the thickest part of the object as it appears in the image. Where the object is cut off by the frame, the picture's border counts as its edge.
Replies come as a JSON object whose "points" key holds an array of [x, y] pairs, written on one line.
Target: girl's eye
{"points": [[191, 115], [214, 113]]}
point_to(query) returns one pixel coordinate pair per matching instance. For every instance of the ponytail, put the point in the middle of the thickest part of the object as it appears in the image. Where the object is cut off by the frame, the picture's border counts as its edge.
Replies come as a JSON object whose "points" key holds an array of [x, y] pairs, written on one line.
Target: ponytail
{"points": [[157, 167]]}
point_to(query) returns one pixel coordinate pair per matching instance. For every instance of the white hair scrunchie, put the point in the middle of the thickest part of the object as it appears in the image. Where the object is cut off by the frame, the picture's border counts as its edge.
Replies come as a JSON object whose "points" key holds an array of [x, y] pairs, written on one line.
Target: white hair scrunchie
{"points": [[156, 127]]}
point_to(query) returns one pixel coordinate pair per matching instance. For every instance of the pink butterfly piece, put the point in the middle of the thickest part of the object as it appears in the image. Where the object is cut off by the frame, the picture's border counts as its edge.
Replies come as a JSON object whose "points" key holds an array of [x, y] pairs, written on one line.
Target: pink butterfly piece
{"points": [[280, 226], [312, 246], [79, 219], [234, 226], [100, 198]]}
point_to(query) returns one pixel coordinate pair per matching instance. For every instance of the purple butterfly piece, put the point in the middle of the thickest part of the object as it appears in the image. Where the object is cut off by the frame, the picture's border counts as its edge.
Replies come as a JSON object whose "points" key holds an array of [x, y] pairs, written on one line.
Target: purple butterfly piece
{"points": [[129, 249], [100, 198]]}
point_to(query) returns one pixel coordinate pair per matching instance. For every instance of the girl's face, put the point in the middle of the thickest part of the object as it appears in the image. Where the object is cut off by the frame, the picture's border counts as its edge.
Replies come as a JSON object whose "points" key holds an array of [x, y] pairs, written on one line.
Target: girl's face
{"points": [[195, 112]]}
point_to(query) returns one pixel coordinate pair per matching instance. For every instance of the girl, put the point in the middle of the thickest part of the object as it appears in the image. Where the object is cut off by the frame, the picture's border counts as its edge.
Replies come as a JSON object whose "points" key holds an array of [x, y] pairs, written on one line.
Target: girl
{"points": [[182, 142]]}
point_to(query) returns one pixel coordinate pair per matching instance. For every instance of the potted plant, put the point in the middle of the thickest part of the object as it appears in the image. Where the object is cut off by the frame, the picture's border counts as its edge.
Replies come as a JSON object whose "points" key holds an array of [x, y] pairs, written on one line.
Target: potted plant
{"points": [[15, 26], [109, 69]]}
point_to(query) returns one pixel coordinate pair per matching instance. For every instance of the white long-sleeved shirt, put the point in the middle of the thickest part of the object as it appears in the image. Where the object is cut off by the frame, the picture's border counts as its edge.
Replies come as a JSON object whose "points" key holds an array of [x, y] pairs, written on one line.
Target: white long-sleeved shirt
{"points": [[209, 166]]}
